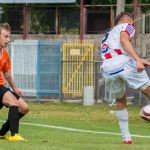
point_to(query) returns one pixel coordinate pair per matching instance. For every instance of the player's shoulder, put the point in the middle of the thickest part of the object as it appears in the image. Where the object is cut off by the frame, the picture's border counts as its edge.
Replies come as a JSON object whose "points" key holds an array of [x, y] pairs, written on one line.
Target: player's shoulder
{"points": [[121, 26], [124, 27]]}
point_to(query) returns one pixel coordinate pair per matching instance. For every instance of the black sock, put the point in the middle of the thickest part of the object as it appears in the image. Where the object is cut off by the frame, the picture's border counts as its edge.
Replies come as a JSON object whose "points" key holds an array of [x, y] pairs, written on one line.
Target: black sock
{"points": [[5, 127], [13, 119], [20, 115]]}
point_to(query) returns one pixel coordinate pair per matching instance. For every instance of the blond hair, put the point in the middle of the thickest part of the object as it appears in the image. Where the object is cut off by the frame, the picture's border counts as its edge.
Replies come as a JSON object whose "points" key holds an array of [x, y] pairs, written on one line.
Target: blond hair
{"points": [[5, 26], [122, 14]]}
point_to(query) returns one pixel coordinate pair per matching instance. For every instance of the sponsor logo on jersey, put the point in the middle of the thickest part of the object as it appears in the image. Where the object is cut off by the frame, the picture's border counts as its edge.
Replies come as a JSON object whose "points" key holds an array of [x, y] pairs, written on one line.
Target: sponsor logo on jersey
{"points": [[130, 29], [104, 47]]}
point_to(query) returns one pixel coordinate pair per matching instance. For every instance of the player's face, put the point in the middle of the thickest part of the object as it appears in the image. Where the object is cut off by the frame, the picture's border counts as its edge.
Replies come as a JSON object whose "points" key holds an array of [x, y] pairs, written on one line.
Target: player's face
{"points": [[4, 38]]}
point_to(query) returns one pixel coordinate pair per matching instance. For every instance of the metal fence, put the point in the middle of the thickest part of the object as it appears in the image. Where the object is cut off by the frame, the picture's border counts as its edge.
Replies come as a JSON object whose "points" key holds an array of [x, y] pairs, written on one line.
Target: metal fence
{"points": [[77, 68], [24, 64], [36, 67], [49, 69], [42, 70]]}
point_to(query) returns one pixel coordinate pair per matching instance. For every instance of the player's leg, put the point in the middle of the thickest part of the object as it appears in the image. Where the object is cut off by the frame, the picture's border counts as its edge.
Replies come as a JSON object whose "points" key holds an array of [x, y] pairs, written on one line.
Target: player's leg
{"points": [[117, 86], [22, 105], [11, 102], [136, 80], [122, 116], [23, 109], [146, 92]]}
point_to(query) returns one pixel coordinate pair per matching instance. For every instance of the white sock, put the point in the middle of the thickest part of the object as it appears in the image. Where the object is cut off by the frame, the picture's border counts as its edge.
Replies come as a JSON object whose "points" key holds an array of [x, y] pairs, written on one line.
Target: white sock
{"points": [[122, 116]]}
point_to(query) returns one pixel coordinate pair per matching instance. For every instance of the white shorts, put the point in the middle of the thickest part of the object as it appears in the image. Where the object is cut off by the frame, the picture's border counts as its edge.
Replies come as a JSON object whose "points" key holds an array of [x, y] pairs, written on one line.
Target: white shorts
{"points": [[116, 76]]}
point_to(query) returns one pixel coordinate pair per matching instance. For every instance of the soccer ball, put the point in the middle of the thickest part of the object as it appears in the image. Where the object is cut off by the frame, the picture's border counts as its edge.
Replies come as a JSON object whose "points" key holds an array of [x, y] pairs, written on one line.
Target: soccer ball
{"points": [[145, 113]]}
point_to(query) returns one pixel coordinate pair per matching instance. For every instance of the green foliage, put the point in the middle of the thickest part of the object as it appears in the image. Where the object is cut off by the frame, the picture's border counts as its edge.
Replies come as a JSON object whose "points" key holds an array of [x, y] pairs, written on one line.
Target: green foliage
{"points": [[12, 15], [39, 21], [69, 21]]}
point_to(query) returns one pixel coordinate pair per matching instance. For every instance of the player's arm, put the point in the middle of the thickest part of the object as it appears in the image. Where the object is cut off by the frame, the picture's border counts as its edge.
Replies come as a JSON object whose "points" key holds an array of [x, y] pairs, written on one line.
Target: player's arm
{"points": [[145, 62], [127, 45], [9, 78]]}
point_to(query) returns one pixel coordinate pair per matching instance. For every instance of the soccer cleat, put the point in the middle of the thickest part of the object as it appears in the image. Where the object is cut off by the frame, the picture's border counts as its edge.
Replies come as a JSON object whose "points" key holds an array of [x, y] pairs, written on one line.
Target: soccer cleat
{"points": [[16, 137], [4, 137], [127, 142]]}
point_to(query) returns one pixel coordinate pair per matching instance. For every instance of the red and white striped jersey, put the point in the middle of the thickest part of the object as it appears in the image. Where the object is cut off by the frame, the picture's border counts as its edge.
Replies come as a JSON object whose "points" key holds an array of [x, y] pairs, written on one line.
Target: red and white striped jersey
{"points": [[111, 46]]}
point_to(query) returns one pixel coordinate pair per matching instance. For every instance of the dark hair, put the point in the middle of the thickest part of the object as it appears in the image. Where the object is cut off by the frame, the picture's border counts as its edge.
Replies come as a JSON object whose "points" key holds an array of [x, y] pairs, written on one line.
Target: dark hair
{"points": [[121, 15], [5, 26]]}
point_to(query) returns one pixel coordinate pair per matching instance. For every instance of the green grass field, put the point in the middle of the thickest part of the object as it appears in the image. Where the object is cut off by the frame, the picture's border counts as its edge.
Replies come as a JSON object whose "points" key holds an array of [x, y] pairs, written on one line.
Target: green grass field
{"points": [[94, 118]]}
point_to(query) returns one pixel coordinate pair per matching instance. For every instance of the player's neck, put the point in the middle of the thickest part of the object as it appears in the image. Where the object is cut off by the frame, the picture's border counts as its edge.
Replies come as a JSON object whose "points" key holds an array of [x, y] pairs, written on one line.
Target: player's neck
{"points": [[1, 49], [1, 52]]}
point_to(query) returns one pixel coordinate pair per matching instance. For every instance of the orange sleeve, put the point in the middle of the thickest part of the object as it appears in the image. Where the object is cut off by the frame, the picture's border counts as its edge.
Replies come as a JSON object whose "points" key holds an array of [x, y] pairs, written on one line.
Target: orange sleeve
{"points": [[7, 65]]}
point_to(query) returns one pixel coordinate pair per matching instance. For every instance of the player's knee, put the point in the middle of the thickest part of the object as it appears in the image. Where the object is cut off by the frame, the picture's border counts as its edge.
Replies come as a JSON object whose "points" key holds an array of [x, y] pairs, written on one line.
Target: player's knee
{"points": [[121, 103], [24, 108], [120, 106]]}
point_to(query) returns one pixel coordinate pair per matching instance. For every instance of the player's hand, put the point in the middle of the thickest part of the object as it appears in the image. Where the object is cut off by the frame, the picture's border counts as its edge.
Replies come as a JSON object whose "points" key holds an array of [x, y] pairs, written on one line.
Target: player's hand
{"points": [[145, 62], [18, 91], [140, 66]]}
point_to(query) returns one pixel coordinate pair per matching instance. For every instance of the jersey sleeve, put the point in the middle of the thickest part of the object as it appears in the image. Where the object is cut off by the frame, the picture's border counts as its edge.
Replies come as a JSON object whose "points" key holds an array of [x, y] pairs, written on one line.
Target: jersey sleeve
{"points": [[129, 29]]}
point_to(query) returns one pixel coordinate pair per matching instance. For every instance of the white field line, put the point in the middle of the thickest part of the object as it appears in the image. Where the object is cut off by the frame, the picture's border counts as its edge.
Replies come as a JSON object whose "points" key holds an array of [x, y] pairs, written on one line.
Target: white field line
{"points": [[79, 130]]}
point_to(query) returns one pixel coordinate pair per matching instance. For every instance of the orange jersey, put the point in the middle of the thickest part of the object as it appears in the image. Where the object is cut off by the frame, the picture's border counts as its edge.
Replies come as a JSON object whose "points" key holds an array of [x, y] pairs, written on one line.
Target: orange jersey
{"points": [[5, 65]]}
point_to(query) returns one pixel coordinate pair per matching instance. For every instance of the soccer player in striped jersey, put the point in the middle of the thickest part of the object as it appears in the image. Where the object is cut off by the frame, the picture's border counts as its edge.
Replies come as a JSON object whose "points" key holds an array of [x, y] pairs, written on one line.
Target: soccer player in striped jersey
{"points": [[121, 65]]}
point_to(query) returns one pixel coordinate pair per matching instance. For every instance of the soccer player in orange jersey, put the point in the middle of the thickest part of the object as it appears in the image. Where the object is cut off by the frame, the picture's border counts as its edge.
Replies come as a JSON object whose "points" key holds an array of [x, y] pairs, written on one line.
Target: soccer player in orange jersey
{"points": [[9, 98]]}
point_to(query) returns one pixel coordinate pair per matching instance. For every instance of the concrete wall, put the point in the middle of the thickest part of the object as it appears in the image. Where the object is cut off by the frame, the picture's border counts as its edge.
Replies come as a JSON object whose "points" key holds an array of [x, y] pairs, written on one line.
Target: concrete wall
{"points": [[142, 44]]}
